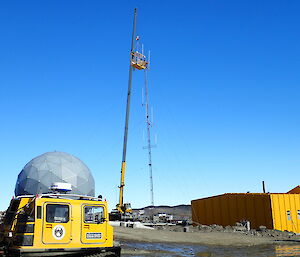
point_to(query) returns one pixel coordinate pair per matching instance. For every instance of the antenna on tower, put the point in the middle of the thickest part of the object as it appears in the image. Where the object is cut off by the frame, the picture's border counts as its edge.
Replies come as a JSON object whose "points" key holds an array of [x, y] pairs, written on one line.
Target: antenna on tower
{"points": [[149, 123]]}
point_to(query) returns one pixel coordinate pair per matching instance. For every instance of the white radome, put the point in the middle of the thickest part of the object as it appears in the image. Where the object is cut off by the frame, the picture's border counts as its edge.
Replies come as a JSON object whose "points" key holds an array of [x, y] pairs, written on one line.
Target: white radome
{"points": [[40, 173]]}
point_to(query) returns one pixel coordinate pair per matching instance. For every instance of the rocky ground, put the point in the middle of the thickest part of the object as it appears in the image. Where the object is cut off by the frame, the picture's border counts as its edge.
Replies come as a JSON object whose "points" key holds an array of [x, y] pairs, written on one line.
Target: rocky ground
{"points": [[240, 229], [207, 235]]}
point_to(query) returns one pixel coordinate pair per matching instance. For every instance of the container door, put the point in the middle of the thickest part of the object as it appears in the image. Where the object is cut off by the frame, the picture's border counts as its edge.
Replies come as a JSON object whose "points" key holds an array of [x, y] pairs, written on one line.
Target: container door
{"points": [[56, 223], [94, 224]]}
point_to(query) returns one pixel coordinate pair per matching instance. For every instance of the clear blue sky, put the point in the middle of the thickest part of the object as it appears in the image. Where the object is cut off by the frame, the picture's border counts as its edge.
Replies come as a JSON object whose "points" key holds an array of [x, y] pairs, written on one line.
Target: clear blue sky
{"points": [[224, 86]]}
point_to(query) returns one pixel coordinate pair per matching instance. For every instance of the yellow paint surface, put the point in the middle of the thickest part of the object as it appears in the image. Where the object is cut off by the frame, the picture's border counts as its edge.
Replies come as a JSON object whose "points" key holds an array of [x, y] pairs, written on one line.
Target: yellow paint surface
{"points": [[74, 230]]}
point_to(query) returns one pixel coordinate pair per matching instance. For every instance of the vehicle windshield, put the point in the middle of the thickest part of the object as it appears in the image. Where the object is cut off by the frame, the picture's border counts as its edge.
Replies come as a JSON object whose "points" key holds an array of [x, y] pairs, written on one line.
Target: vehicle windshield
{"points": [[57, 213]]}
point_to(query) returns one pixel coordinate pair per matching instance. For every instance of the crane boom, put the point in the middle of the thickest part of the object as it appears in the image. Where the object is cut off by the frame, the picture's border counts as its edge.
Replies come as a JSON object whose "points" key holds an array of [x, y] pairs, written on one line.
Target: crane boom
{"points": [[123, 166], [137, 61]]}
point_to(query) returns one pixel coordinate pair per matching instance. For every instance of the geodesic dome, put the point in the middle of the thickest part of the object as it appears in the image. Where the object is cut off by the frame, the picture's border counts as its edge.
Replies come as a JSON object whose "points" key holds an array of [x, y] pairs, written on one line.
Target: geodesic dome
{"points": [[41, 172]]}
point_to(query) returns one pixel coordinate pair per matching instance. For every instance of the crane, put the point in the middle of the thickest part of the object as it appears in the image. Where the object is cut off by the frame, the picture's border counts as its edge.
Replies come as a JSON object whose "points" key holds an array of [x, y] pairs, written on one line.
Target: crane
{"points": [[137, 61]]}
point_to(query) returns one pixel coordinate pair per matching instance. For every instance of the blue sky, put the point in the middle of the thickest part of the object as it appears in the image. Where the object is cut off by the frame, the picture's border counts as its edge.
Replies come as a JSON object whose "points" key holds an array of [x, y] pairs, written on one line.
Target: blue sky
{"points": [[224, 86]]}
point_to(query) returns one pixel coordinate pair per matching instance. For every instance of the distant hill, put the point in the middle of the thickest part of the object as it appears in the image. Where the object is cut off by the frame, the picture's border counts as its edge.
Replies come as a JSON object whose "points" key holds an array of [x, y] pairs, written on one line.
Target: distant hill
{"points": [[179, 211]]}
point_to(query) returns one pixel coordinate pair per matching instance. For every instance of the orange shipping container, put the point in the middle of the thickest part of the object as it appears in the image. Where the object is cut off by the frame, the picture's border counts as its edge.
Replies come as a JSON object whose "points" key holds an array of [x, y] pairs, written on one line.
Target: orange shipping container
{"points": [[275, 211]]}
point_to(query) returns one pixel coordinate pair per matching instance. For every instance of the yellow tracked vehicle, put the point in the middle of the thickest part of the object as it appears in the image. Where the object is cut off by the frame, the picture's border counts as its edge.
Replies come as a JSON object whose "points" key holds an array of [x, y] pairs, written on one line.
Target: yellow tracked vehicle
{"points": [[57, 224]]}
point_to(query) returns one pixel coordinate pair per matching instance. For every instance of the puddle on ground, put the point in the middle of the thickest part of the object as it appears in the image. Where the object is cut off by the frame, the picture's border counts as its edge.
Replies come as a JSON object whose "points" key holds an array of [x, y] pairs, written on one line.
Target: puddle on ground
{"points": [[172, 250]]}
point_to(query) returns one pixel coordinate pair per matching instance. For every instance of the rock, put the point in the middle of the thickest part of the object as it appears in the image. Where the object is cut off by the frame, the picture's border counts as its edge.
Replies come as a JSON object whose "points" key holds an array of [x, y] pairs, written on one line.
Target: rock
{"points": [[204, 228], [186, 229], [238, 228], [262, 228], [217, 227], [228, 229]]}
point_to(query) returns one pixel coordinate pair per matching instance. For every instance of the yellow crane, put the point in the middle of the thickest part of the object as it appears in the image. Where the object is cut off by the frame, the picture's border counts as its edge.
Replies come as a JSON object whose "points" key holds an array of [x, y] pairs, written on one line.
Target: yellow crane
{"points": [[137, 61]]}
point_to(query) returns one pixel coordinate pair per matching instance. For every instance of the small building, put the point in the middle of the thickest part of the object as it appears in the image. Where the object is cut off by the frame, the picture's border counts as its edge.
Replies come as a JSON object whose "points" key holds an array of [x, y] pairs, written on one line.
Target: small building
{"points": [[162, 217], [279, 211]]}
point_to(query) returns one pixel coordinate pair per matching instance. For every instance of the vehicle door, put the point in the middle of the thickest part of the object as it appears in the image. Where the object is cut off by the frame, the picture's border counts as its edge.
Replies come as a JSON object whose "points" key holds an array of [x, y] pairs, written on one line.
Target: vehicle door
{"points": [[56, 223], [94, 224]]}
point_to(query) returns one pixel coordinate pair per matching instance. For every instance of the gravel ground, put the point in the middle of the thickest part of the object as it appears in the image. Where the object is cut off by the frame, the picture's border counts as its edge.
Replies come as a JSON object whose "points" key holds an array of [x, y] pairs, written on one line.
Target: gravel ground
{"points": [[206, 235]]}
